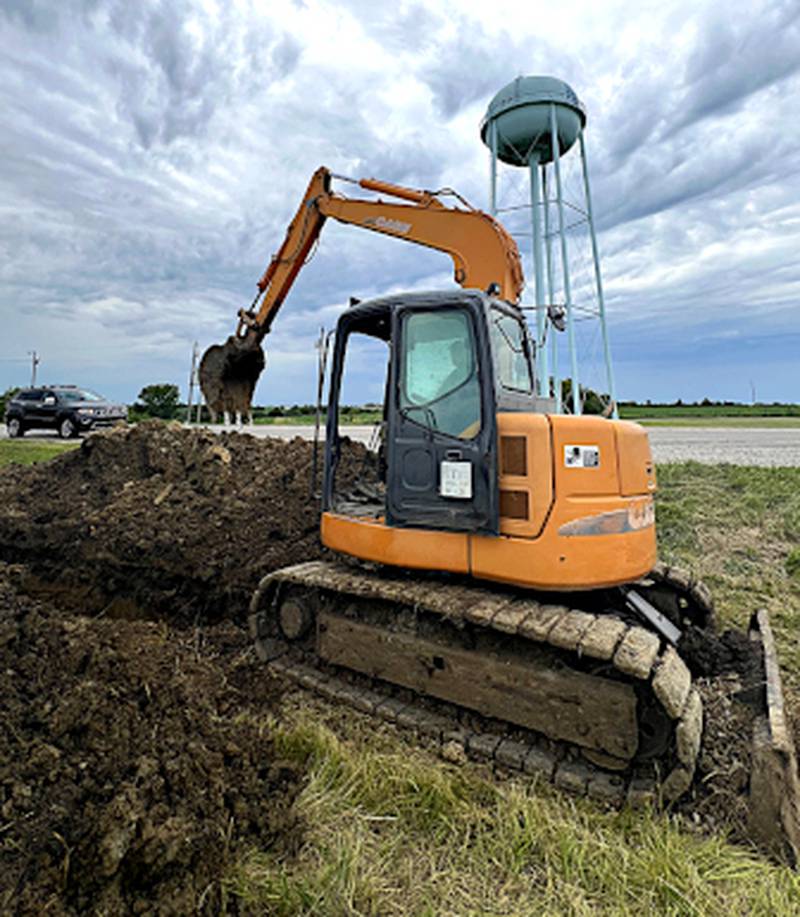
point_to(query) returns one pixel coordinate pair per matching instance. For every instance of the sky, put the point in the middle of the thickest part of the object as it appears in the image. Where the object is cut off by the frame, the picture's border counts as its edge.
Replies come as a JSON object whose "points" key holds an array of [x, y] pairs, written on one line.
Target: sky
{"points": [[153, 153]]}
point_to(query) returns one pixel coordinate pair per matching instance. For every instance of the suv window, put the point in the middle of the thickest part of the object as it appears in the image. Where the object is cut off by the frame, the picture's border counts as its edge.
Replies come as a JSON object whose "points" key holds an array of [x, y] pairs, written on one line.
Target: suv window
{"points": [[77, 394], [30, 396]]}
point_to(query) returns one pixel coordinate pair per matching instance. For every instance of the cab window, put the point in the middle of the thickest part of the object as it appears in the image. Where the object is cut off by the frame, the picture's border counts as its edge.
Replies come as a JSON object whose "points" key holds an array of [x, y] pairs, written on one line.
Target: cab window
{"points": [[510, 351], [439, 384]]}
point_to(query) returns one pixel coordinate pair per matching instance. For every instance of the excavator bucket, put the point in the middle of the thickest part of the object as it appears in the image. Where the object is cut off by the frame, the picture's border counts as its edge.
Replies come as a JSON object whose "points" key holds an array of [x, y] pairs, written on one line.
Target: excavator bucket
{"points": [[228, 375]]}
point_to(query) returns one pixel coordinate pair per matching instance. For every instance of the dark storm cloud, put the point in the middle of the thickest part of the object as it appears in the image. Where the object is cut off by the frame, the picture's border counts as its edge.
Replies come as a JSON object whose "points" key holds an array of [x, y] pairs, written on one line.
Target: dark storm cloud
{"points": [[669, 142]]}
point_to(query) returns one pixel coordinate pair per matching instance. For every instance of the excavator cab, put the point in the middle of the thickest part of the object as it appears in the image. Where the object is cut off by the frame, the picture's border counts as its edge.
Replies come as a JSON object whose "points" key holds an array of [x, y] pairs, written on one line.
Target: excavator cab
{"points": [[439, 411]]}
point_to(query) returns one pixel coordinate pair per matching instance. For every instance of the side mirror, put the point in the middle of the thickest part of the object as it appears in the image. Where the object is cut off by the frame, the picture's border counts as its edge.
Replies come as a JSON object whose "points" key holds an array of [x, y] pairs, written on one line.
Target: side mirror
{"points": [[49, 399], [557, 315]]}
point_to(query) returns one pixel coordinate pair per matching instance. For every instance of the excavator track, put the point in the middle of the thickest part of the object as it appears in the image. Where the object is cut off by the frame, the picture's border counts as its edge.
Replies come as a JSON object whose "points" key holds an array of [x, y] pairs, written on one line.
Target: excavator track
{"points": [[590, 700]]}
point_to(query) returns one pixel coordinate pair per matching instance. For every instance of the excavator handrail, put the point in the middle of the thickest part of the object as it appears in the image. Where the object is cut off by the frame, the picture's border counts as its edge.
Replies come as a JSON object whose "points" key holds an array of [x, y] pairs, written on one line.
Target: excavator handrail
{"points": [[482, 251]]}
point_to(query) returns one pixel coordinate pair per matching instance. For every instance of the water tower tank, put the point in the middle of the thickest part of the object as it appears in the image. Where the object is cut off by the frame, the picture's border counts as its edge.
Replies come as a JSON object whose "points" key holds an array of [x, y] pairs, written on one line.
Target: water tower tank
{"points": [[521, 114]]}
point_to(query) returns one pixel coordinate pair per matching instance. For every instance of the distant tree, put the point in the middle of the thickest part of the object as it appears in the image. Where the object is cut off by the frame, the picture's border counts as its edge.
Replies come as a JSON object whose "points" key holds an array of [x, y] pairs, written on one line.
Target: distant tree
{"points": [[7, 395], [592, 401], [160, 400]]}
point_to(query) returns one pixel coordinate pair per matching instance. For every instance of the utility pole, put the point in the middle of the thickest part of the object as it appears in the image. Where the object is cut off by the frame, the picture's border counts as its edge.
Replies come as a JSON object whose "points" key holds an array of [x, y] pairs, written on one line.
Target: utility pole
{"points": [[34, 363], [192, 382]]}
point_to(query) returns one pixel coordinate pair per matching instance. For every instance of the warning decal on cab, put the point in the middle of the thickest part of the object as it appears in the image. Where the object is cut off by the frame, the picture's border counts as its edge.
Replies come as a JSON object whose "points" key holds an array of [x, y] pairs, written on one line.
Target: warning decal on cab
{"points": [[582, 456]]}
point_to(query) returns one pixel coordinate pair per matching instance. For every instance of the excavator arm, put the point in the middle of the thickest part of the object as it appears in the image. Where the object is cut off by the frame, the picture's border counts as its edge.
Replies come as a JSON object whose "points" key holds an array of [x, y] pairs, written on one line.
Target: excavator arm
{"points": [[483, 254]]}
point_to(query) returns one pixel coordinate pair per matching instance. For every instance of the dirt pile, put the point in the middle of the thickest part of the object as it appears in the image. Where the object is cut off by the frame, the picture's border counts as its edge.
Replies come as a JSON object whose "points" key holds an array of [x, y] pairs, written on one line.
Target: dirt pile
{"points": [[134, 762], [181, 523]]}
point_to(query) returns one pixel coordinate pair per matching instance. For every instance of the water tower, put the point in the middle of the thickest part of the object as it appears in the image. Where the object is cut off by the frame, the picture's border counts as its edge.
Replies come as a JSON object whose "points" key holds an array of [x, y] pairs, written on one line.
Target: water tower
{"points": [[533, 123]]}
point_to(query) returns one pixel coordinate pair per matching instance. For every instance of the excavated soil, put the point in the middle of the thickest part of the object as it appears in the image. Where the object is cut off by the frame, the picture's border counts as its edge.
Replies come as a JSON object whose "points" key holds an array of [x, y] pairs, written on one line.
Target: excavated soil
{"points": [[135, 765], [160, 521]]}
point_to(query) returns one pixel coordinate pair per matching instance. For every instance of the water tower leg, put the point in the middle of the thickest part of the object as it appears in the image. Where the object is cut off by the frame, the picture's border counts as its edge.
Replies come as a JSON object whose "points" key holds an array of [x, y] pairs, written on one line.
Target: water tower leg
{"points": [[573, 356], [599, 281], [493, 168], [538, 272], [548, 245]]}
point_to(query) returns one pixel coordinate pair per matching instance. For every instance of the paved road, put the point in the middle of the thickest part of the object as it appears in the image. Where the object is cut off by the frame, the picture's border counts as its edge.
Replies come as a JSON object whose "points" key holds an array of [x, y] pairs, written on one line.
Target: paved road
{"points": [[710, 445], [769, 446]]}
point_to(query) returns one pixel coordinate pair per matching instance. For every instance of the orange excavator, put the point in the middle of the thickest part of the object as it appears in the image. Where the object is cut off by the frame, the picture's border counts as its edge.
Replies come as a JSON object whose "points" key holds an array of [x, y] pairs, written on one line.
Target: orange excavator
{"points": [[497, 588]]}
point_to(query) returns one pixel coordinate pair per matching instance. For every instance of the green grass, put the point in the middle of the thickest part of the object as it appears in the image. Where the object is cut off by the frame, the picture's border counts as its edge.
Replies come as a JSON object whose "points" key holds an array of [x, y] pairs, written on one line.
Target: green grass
{"points": [[393, 830], [711, 421], [703, 411], [738, 529], [18, 452]]}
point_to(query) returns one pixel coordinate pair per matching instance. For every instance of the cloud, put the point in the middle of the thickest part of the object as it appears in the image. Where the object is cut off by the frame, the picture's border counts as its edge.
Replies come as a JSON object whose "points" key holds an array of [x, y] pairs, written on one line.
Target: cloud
{"points": [[736, 56], [154, 154]]}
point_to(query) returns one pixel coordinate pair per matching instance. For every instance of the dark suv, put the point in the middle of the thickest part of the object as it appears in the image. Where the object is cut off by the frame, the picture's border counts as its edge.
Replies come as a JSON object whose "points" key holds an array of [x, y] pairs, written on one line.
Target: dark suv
{"points": [[65, 408]]}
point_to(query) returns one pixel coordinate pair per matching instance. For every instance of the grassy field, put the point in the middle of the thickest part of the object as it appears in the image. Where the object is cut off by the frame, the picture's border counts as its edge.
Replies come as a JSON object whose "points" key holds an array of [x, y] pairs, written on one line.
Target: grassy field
{"points": [[706, 412], [731, 422], [392, 829], [19, 452]]}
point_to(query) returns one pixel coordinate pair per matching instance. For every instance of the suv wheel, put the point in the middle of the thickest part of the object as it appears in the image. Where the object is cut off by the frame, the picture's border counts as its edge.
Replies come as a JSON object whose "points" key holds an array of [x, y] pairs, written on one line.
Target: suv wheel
{"points": [[66, 429], [14, 427]]}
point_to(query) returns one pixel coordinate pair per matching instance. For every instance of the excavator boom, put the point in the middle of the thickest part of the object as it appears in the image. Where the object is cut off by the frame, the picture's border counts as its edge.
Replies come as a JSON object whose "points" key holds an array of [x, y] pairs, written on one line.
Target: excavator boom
{"points": [[484, 255]]}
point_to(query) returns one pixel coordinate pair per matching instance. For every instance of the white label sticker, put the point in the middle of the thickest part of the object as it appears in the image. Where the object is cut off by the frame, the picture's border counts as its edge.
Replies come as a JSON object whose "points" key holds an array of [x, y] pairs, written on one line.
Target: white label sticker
{"points": [[582, 456], [456, 480]]}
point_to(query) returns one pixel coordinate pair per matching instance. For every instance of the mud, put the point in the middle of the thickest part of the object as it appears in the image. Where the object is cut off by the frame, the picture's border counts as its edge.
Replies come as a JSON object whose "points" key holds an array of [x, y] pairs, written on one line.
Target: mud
{"points": [[718, 799]]}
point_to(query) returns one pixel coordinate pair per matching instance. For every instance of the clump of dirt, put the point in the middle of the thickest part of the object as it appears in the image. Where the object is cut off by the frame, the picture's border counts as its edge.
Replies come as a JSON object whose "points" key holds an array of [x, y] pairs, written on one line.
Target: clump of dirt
{"points": [[181, 523], [718, 799], [135, 762], [731, 652]]}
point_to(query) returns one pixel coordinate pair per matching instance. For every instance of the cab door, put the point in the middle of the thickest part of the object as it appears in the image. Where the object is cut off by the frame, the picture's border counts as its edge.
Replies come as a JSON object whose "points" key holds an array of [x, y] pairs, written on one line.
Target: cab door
{"points": [[442, 426]]}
